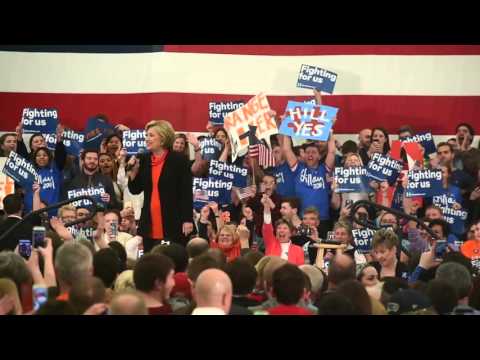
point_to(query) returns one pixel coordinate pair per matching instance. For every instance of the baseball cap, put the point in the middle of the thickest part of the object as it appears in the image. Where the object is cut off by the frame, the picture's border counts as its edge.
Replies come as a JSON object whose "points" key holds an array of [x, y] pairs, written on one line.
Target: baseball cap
{"points": [[407, 300]]}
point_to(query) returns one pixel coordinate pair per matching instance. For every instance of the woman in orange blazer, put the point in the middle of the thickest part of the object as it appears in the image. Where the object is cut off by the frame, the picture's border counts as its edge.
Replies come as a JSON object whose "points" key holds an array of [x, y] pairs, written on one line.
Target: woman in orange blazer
{"points": [[279, 245]]}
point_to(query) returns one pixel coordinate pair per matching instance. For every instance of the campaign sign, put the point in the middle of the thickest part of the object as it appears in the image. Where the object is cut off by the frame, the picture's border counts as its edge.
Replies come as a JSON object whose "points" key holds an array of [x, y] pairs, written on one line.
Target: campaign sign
{"points": [[308, 121], [426, 139], [229, 172], [218, 110], [383, 168], [351, 179], [95, 192], [217, 189], [95, 131], [312, 77], [72, 140], [39, 121], [425, 183], [454, 217], [363, 240], [133, 141], [210, 149], [20, 170]]}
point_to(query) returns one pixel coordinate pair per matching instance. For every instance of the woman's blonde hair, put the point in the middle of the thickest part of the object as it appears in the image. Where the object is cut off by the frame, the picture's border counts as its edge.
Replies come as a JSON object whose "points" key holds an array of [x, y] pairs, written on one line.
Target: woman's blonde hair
{"points": [[67, 207], [124, 281], [349, 155], [232, 229], [8, 287], [164, 129]]}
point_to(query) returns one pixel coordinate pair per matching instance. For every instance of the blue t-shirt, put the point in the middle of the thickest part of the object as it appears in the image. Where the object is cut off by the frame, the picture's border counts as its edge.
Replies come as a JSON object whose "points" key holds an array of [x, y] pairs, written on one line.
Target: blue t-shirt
{"points": [[51, 180], [312, 189], [285, 180]]}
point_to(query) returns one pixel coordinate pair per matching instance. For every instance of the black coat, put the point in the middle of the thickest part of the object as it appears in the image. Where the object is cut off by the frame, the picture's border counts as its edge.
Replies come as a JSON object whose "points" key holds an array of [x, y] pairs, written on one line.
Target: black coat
{"points": [[176, 196], [24, 232]]}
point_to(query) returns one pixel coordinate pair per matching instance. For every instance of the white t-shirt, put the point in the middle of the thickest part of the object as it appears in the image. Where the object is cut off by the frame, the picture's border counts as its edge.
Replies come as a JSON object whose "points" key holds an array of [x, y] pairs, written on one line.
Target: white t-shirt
{"points": [[285, 247]]}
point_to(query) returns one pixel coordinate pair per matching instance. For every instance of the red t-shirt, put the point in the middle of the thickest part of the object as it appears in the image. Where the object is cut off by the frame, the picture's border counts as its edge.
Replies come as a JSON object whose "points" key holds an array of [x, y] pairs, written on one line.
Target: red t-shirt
{"points": [[288, 310], [160, 310]]}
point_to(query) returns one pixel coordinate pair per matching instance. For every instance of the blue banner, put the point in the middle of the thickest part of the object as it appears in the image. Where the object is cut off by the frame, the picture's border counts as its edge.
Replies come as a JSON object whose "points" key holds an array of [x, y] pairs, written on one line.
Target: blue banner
{"points": [[229, 172], [72, 140], [454, 217], [425, 139], [363, 240], [218, 110], [95, 131], [133, 141], [210, 149], [39, 121], [352, 179], [383, 168], [20, 170], [95, 192], [217, 189], [308, 121], [312, 77], [426, 183]]}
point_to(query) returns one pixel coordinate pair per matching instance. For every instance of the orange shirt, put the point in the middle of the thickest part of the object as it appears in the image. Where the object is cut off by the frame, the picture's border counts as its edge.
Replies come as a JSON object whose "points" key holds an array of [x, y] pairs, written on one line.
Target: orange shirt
{"points": [[155, 201]]}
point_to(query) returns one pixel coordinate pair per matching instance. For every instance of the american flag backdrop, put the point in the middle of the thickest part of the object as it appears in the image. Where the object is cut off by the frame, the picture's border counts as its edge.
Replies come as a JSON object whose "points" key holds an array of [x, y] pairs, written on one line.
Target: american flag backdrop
{"points": [[430, 87]]}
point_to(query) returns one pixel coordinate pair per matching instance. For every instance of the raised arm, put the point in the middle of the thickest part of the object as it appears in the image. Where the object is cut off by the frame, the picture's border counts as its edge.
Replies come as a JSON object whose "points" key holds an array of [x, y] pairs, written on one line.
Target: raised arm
{"points": [[332, 149], [287, 151], [60, 151]]}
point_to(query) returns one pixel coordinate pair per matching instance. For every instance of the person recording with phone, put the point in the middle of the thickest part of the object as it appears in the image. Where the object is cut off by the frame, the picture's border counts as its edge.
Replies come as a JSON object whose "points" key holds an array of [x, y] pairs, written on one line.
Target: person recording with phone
{"points": [[165, 178], [380, 144], [466, 157]]}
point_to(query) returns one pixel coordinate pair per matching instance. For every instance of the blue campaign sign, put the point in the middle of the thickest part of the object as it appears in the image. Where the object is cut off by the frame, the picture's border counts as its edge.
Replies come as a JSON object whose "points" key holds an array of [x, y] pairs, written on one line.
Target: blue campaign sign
{"points": [[229, 172], [95, 192], [95, 131], [133, 141], [20, 170], [425, 183], [454, 217], [351, 179], [425, 139], [218, 110], [217, 189], [363, 240], [313, 77], [383, 168], [308, 121], [39, 121], [72, 140], [210, 149]]}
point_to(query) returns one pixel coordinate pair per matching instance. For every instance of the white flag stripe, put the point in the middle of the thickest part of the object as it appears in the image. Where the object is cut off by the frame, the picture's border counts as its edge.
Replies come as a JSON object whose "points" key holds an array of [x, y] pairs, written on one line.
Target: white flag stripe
{"points": [[427, 75]]}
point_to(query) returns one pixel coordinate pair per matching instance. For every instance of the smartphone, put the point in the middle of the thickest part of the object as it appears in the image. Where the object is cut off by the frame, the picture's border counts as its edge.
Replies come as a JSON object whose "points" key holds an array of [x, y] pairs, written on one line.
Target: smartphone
{"points": [[40, 296], [38, 236], [114, 228], [348, 203], [440, 249], [25, 248]]}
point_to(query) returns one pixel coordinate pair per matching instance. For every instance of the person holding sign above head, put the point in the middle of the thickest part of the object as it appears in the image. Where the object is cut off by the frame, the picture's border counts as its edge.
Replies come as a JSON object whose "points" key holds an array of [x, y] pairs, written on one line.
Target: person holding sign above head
{"points": [[279, 244], [311, 185], [165, 178]]}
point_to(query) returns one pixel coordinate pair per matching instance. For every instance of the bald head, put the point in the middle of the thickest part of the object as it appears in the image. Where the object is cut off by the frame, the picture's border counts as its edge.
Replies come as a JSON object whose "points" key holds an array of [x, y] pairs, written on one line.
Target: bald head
{"points": [[364, 138], [213, 288], [128, 303], [197, 246], [274, 264], [315, 275], [341, 268]]}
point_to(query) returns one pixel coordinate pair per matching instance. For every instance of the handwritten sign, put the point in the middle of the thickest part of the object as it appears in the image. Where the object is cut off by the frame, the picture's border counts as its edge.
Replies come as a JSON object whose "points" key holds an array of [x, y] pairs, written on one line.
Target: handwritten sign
{"points": [[308, 121]]}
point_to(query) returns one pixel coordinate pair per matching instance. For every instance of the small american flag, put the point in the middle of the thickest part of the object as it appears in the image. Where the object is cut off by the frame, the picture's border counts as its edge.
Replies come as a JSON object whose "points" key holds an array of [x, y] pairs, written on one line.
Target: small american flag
{"points": [[265, 156], [245, 192]]}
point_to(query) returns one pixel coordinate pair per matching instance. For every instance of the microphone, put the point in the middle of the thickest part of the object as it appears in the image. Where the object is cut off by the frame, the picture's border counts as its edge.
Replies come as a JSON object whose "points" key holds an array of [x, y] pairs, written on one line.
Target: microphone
{"points": [[129, 167]]}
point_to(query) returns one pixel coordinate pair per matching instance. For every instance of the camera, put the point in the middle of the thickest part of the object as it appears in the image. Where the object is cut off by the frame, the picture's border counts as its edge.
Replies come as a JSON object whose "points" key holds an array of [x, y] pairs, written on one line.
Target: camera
{"points": [[304, 230]]}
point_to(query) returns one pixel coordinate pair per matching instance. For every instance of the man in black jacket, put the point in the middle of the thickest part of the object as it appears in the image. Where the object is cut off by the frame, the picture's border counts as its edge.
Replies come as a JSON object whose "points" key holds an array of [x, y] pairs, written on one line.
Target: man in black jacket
{"points": [[13, 206], [90, 177]]}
